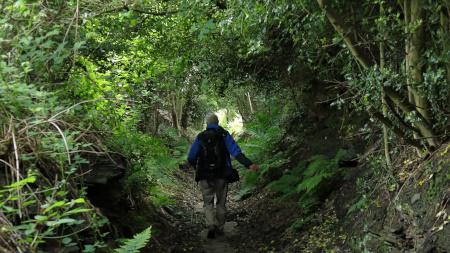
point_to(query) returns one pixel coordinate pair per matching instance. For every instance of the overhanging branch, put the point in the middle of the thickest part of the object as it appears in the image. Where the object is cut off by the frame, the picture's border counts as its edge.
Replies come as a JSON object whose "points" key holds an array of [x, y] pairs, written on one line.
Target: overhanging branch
{"points": [[397, 130], [141, 11]]}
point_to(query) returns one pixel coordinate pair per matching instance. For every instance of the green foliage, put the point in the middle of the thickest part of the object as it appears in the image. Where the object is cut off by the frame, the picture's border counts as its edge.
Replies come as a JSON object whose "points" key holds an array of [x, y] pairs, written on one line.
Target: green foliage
{"points": [[305, 181], [151, 162], [250, 182], [138, 242], [263, 132], [285, 184], [58, 212], [300, 223], [141, 74], [358, 205], [317, 171]]}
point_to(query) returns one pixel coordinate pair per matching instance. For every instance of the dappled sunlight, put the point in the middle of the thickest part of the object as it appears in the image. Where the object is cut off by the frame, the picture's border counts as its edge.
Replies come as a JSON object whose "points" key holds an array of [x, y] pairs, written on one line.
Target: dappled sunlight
{"points": [[232, 121], [338, 113]]}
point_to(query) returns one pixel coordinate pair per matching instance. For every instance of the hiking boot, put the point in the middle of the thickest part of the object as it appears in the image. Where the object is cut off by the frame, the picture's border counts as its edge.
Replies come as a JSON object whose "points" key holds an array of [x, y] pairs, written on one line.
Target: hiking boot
{"points": [[211, 233], [218, 231]]}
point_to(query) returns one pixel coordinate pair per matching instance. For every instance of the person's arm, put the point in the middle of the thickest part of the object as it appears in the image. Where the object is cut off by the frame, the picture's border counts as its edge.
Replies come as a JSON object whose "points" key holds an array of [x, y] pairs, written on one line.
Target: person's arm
{"points": [[236, 152], [194, 152]]}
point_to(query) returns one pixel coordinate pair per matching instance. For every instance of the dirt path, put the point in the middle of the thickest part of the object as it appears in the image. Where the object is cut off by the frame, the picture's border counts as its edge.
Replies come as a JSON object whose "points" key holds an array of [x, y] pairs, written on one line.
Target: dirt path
{"points": [[220, 244], [255, 224], [190, 201]]}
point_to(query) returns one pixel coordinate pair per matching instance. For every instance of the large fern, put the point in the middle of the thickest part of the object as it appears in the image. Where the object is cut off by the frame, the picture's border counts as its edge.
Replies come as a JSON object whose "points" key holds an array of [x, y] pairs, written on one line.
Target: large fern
{"points": [[285, 184], [311, 183], [138, 242]]}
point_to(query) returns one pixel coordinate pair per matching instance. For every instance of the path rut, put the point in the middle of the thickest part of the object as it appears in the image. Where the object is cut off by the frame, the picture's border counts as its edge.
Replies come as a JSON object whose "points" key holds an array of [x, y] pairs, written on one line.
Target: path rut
{"points": [[220, 244]]}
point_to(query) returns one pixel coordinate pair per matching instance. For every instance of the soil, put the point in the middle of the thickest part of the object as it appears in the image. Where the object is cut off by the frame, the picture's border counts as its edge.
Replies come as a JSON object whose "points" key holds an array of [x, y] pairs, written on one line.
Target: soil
{"points": [[259, 223], [410, 217], [251, 223]]}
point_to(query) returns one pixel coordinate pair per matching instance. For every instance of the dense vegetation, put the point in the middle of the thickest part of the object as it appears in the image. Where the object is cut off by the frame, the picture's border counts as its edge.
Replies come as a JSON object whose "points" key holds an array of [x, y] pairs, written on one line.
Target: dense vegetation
{"points": [[112, 92]]}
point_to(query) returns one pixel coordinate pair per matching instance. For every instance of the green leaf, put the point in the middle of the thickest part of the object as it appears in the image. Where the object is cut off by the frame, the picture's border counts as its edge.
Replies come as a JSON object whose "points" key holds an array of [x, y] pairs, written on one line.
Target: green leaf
{"points": [[79, 201], [66, 240], [21, 183], [138, 242], [60, 221], [41, 218], [56, 204], [78, 45], [78, 210]]}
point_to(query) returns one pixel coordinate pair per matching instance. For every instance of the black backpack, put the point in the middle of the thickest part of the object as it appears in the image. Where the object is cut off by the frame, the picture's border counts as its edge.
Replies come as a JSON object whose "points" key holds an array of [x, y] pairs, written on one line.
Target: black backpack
{"points": [[213, 155]]}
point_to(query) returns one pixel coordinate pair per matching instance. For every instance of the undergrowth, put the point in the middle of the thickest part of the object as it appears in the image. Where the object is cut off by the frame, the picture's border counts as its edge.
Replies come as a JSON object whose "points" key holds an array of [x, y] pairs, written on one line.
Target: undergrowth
{"points": [[152, 162]]}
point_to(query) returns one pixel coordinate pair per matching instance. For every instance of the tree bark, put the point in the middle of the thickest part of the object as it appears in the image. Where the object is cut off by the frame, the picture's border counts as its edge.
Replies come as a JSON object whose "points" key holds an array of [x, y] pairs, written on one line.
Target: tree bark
{"points": [[187, 110], [422, 125], [362, 56], [407, 14], [397, 130], [414, 66], [347, 33], [416, 44], [155, 120], [383, 103], [250, 103], [445, 28], [178, 103]]}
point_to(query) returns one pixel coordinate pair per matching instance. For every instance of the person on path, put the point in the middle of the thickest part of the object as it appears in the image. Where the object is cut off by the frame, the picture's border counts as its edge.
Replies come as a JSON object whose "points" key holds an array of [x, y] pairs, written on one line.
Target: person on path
{"points": [[210, 156]]}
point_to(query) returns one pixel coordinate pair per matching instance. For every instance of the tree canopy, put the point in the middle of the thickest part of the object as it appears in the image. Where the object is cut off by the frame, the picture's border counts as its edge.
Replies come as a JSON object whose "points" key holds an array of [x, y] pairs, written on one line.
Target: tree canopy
{"points": [[303, 85]]}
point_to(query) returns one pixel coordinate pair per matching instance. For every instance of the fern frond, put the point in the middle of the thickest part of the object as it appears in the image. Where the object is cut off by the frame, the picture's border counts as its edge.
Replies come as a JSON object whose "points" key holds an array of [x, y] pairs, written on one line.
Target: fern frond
{"points": [[311, 183], [285, 184], [138, 242], [319, 163]]}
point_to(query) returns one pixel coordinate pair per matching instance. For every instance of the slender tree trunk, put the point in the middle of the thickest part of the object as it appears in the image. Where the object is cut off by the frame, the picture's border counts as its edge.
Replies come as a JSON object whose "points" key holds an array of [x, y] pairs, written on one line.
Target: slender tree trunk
{"points": [[407, 14], [250, 103], [186, 112], [347, 34], [445, 28], [177, 110], [155, 120], [414, 65], [174, 112], [362, 56], [416, 43], [383, 102]]}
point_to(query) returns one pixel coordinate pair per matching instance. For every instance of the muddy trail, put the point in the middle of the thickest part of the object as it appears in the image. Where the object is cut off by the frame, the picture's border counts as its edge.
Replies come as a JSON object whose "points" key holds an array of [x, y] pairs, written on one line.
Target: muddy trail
{"points": [[253, 224]]}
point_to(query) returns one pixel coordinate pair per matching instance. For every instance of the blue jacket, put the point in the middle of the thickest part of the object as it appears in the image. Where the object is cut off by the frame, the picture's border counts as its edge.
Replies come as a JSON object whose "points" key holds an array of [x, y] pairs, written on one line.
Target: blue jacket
{"points": [[232, 147]]}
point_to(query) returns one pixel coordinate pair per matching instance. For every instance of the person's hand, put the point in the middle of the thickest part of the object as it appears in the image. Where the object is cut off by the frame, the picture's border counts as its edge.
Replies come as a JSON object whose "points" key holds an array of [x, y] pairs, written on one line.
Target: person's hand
{"points": [[254, 167]]}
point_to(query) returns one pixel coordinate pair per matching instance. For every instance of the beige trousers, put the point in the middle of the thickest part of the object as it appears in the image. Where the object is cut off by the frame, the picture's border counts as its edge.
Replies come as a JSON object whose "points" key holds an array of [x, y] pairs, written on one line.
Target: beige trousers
{"points": [[214, 188]]}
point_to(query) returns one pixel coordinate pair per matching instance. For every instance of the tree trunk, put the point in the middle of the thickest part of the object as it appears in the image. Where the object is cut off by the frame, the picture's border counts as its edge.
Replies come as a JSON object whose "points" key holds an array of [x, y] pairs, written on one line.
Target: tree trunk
{"points": [[383, 103], [174, 112], [250, 103], [397, 130], [185, 113], [407, 14], [414, 65], [347, 34], [362, 56], [445, 28], [178, 103], [155, 120]]}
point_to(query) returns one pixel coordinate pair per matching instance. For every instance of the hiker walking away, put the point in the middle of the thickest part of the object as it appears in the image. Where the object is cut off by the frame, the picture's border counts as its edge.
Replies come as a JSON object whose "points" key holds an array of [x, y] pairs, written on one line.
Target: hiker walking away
{"points": [[210, 155]]}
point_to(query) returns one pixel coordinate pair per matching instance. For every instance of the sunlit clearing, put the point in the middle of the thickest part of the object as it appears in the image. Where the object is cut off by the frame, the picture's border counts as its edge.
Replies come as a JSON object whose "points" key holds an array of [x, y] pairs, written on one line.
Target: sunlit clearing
{"points": [[232, 121]]}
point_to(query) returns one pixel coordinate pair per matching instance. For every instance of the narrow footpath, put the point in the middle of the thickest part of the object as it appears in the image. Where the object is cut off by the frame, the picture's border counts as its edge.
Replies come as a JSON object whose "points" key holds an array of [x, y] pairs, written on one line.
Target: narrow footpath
{"points": [[191, 223], [256, 224]]}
